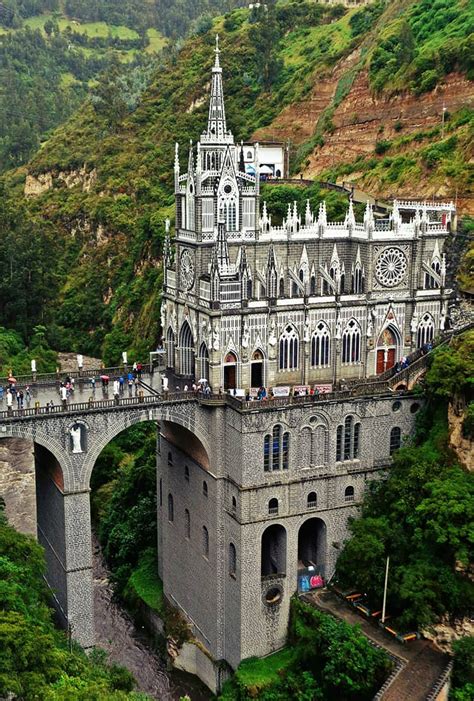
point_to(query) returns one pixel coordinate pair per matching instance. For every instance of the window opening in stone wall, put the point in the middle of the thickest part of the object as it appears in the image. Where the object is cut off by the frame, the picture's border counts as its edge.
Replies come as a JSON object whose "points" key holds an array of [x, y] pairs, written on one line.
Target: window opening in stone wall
{"points": [[430, 282], [234, 505], [266, 453], [186, 350], [273, 559], [356, 444], [312, 286], [289, 349], [357, 280], [205, 541], [339, 444], [186, 473], [351, 343], [232, 560], [205, 489], [348, 428], [281, 291], [170, 348], [348, 440], [320, 346], [273, 506], [203, 361], [395, 439], [187, 524], [312, 500], [425, 331], [249, 289], [349, 494], [170, 460], [276, 450], [170, 508], [161, 492]]}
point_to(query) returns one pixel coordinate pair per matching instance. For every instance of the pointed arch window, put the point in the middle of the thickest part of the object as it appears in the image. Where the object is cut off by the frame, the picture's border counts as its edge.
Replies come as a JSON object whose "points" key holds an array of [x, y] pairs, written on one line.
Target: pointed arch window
{"points": [[320, 346], [186, 350], [351, 339], [430, 282], [289, 349], [281, 291], [190, 209], [357, 280], [170, 343], [312, 285], [203, 361], [425, 333], [272, 284]]}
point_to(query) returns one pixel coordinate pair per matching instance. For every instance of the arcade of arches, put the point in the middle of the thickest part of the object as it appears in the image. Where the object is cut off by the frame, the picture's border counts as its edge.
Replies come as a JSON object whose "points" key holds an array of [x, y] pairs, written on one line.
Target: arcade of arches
{"points": [[312, 546]]}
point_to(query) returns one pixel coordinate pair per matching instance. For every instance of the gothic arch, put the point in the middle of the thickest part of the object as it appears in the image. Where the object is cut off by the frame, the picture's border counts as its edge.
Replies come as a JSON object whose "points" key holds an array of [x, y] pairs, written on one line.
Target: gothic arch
{"points": [[186, 350]]}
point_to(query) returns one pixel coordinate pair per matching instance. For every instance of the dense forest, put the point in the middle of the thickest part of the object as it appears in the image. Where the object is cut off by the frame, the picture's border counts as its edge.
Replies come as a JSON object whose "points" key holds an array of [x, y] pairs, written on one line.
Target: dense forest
{"points": [[52, 56], [37, 661], [90, 263]]}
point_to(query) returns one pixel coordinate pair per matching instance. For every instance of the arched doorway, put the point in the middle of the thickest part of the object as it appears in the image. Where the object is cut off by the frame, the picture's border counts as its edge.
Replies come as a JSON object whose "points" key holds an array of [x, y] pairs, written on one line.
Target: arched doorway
{"points": [[273, 560], [387, 349], [312, 545], [257, 374], [186, 351], [230, 371]]}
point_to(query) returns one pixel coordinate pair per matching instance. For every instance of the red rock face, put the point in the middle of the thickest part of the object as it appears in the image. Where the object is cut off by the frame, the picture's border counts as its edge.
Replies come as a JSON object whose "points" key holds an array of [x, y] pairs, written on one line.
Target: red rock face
{"points": [[362, 119]]}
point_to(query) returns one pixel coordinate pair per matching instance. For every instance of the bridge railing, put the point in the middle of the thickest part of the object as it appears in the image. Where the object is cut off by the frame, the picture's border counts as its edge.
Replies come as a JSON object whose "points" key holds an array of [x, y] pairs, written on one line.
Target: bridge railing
{"points": [[95, 405], [49, 379]]}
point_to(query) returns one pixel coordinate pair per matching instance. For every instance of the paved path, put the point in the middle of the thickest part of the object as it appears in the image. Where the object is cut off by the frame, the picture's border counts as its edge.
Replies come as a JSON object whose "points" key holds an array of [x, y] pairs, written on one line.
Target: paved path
{"points": [[422, 662]]}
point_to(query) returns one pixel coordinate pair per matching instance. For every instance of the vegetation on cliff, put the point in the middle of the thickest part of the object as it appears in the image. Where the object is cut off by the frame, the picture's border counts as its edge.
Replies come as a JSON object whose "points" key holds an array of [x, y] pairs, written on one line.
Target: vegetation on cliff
{"points": [[37, 660], [422, 515], [325, 659]]}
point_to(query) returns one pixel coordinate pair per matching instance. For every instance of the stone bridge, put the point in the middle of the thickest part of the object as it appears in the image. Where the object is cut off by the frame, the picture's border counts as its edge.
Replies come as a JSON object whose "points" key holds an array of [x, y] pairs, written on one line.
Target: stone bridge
{"points": [[63, 469]]}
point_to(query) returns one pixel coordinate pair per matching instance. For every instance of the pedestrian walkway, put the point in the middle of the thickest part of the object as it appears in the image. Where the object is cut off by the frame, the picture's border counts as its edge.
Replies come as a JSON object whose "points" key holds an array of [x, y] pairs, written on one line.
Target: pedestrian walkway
{"points": [[422, 663]]}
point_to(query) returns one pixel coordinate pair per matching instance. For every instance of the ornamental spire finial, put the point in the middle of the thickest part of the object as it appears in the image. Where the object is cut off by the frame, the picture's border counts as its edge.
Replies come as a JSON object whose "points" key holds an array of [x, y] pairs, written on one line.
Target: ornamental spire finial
{"points": [[217, 52]]}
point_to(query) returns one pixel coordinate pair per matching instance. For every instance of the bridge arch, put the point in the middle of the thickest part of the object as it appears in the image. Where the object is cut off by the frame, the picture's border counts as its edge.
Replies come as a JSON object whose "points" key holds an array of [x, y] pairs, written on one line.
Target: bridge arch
{"points": [[180, 415]]}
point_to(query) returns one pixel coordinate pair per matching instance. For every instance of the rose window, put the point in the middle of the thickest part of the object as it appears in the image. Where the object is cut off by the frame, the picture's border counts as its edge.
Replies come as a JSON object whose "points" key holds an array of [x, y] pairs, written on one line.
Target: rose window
{"points": [[391, 267]]}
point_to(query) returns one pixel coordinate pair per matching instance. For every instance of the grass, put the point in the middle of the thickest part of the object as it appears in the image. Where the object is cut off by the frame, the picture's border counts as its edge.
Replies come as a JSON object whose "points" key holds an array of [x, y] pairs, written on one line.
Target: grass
{"points": [[146, 584], [257, 673], [92, 29], [156, 41]]}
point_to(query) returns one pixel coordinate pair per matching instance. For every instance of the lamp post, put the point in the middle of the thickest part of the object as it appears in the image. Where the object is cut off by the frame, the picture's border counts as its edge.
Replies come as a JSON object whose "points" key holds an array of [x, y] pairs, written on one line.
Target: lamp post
{"points": [[385, 589]]}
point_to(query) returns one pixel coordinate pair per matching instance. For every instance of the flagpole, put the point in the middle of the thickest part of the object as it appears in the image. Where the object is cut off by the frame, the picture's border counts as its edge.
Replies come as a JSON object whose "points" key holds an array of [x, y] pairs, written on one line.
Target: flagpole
{"points": [[385, 590]]}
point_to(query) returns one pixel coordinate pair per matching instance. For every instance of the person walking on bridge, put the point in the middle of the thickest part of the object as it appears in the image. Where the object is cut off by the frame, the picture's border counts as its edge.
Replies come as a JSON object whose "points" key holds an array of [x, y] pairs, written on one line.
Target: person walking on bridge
{"points": [[9, 401]]}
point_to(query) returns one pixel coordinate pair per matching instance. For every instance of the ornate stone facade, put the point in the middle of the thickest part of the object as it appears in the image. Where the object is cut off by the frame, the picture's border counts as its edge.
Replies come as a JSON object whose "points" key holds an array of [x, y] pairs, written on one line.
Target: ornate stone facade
{"points": [[247, 303]]}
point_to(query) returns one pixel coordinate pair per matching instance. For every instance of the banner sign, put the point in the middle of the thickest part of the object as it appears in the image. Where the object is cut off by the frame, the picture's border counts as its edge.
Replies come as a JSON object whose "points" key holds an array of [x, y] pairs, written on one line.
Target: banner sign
{"points": [[301, 390], [281, 391], [323, 389]]}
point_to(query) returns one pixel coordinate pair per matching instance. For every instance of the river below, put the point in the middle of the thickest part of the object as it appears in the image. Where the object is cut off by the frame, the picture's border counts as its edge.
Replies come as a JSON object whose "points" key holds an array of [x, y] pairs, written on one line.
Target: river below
{"points": [[125, 645]]}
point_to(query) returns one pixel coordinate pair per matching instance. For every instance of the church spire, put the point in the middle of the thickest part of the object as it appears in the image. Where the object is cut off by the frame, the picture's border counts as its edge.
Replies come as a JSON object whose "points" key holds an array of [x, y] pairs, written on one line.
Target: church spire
{"points": [[216, 123]]}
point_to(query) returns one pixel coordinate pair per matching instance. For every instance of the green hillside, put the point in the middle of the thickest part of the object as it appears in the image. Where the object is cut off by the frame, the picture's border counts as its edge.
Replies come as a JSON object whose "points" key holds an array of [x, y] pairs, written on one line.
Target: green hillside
{"points": [[105, 233]]}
